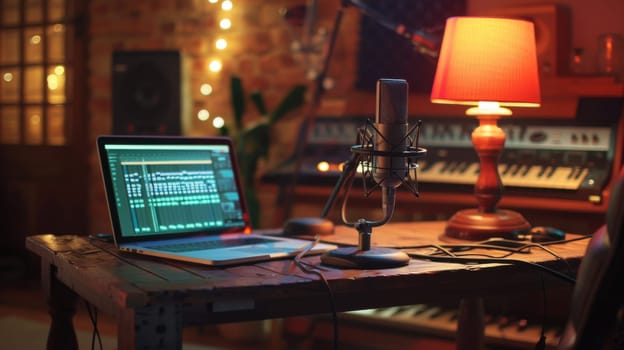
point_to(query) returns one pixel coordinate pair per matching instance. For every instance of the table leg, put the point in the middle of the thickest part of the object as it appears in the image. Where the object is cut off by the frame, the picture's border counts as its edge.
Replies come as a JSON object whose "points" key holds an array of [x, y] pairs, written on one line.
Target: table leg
{"points": [[150, 327], [62, 308], [470, 324]]}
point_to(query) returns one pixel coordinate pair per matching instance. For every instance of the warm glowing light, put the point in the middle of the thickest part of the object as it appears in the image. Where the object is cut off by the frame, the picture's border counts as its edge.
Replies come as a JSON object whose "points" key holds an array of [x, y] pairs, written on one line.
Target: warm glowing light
{"points": [[477, 63], [35, 119], [205, 89], [322, 166], [221, 44], [57, 28], [203, 115], [8, 77], [59, 70], [225, 23], [218, 122], [488, 105], [215, 65], [35, 39], [213, 1], [478, 67], [341, 166], [226, 5], [53, 82]]}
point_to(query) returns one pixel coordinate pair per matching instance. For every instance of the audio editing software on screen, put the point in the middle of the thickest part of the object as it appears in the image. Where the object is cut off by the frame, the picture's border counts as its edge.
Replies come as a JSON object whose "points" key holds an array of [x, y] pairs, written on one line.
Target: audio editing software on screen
{"points": [[171, 190]]}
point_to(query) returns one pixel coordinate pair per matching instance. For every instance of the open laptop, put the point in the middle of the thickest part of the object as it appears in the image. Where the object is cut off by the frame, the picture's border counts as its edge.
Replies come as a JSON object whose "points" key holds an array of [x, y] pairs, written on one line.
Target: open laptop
{"points": [[181, 198]]}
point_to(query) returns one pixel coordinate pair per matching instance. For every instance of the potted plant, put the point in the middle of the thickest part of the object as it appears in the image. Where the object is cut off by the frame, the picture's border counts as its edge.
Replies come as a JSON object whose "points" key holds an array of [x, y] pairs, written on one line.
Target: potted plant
{"points": [[252, 140]]}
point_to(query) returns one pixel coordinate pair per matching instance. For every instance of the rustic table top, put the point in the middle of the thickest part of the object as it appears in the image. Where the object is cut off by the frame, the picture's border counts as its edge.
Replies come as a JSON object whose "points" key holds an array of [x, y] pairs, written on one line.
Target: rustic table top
{"points": [[114, 280]]}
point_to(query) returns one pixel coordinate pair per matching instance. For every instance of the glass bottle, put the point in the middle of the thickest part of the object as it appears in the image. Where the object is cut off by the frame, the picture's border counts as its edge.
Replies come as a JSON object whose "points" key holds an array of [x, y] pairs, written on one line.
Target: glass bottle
{"points": [[610, 59]]}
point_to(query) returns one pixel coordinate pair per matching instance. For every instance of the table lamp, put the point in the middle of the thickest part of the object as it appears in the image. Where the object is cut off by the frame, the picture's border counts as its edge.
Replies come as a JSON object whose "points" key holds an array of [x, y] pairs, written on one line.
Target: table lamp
{"points": [[489, 63]]}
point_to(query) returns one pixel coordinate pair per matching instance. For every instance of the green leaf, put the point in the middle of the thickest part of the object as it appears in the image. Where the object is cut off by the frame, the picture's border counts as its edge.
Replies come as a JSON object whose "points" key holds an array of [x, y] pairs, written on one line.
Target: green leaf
{"points": [[224, 131], [255, 139], [293, 100], [258, 100], [253, 206], [238, 101]]}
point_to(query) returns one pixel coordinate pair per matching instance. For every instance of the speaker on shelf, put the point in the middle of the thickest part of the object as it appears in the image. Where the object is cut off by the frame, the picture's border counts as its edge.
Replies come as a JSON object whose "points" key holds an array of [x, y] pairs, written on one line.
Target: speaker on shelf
{"points": [[148, 92], [553, 34]]}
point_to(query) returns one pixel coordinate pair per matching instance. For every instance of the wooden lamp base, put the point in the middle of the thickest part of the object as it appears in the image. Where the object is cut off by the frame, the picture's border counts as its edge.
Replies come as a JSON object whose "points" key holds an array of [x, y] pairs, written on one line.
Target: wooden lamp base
{"points": [[474, 225], [487, 221]]}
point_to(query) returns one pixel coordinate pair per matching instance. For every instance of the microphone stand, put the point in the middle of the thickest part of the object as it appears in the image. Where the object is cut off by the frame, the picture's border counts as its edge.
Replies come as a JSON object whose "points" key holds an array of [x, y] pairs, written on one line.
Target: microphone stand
{"points": [[366, 256], [318, 92]]}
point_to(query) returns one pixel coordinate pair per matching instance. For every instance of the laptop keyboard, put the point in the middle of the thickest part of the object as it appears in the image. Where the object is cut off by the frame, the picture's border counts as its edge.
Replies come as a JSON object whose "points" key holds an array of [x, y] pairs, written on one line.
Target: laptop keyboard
{"points": [[203, 245]]}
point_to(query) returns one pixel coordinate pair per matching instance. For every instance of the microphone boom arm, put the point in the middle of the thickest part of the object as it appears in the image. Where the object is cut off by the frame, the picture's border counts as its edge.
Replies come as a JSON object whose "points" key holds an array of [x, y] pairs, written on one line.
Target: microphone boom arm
{"points": [[424, 43]]}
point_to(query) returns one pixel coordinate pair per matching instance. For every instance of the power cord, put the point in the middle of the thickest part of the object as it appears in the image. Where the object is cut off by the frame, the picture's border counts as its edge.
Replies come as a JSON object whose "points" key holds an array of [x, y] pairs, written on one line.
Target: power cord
{"points": [[451, 256], [541, 343], [459, 253], [96, 333], [465, 260], [313, 269]]}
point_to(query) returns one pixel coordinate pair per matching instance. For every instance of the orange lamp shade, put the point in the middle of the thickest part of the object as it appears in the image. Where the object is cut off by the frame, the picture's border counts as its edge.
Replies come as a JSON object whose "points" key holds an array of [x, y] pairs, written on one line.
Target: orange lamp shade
{"points": [[487, 59]]}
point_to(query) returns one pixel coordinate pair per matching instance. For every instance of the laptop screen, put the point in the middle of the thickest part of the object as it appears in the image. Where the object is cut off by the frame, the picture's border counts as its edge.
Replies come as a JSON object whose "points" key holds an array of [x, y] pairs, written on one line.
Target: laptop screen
{"points": [[171, 186]]}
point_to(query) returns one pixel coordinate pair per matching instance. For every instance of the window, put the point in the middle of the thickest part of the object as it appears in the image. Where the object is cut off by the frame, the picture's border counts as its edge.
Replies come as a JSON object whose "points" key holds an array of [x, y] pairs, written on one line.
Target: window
{"points": [[35, 72]]}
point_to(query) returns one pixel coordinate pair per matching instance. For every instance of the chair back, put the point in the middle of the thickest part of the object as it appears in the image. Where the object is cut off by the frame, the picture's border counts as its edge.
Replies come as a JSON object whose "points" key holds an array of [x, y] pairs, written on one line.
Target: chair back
{"points": [[599, 290]]}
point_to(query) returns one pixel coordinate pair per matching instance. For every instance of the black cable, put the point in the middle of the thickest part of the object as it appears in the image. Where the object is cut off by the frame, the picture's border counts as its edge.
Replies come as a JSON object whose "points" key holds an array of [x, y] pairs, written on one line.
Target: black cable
{"points": [[541, 343], [331, 301], [520, 249], [461, 260], [562, 241], [312, 269], [447, 248], [96, 333]]}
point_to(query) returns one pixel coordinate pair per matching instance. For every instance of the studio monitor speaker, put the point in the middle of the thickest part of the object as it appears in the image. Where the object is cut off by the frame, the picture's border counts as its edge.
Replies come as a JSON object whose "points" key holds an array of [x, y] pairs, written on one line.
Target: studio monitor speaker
{"points": [[553, 39], [147, 92]]}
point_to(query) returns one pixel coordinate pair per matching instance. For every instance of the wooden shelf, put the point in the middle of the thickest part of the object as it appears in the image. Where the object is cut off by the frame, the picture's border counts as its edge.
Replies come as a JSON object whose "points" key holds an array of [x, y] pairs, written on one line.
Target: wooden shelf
{"points": [[559, 99]]}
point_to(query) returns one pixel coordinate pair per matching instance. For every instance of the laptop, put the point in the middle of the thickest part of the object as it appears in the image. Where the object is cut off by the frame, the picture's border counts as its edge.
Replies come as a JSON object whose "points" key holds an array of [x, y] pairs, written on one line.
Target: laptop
{"points": [[181, 198]]}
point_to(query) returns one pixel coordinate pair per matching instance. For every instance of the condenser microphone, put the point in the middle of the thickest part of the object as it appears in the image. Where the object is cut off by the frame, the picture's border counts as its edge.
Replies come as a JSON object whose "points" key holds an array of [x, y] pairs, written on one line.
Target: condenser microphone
{"points": [[390, 166], [387, 153]]}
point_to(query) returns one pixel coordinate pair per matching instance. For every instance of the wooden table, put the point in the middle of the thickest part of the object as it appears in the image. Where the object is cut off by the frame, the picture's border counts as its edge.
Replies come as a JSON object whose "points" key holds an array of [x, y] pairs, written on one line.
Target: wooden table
{"points": [[153, 299]]}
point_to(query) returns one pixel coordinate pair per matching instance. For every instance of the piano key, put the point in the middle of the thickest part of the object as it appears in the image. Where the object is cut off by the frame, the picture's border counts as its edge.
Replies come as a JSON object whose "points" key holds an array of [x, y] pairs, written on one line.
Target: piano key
{"points": [[506, 329]]}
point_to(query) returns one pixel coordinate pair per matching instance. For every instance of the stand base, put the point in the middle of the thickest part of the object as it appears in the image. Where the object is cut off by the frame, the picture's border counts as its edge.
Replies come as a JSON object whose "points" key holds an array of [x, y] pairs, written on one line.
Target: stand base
{"points": [[473, 225], [375, 258]]}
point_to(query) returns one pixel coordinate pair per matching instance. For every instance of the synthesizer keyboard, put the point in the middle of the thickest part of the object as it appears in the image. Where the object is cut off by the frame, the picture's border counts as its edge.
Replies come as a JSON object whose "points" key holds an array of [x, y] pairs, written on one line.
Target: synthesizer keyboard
{"points": [[547, 158]]}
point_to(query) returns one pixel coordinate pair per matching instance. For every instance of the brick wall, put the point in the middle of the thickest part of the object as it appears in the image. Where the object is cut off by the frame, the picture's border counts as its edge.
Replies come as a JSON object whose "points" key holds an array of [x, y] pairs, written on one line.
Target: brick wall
{"points": [[258, 51]]}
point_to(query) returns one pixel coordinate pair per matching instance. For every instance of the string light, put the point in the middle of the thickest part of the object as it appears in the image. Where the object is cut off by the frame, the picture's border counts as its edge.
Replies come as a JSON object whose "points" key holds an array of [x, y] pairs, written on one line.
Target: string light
{"points": [[215, 65], [225, 24], [205, 89], [226, 5], [221, 44], [203, 115], [218, 122]]}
